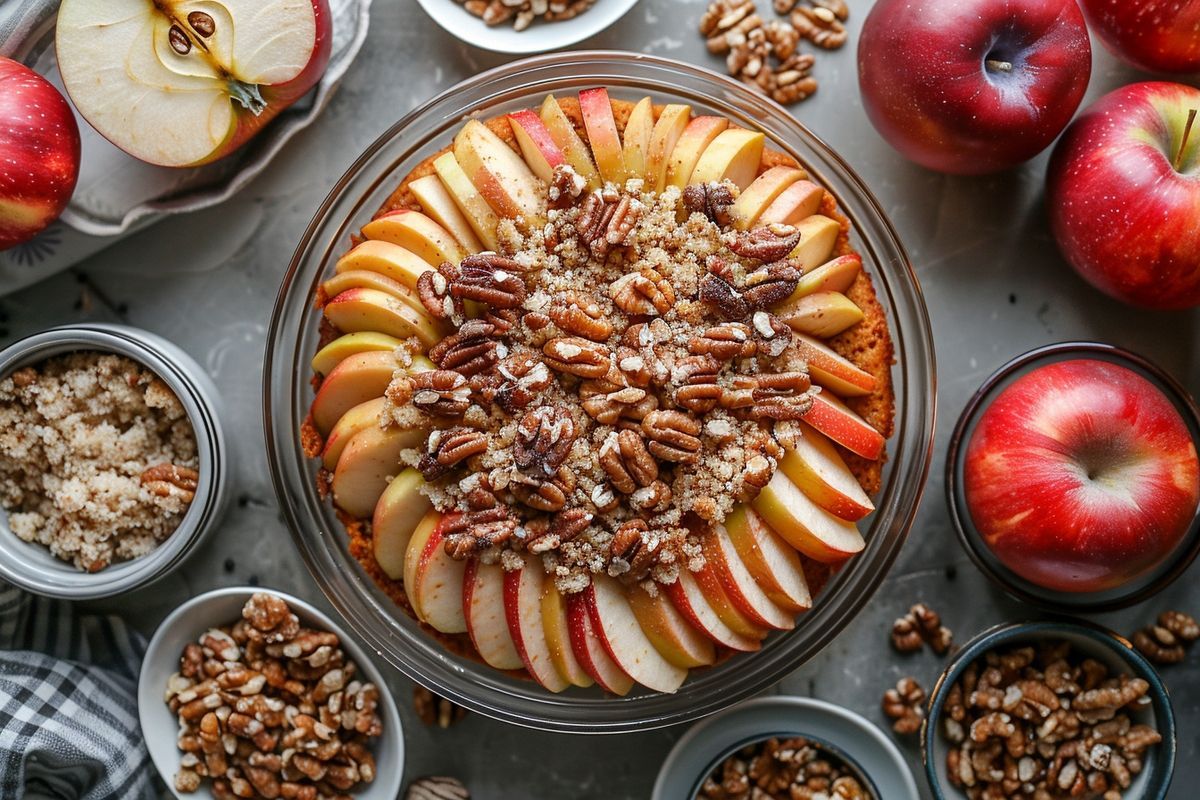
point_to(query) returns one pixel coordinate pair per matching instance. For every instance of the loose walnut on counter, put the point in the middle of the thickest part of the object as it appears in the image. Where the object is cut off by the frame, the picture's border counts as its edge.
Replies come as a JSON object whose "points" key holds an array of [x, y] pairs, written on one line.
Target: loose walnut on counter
{"points": [[1167, 641]]}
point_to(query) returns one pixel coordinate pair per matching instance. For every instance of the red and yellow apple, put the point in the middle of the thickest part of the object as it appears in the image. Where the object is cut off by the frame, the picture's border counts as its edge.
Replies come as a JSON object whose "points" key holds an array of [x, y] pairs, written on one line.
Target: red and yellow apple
{"points": [[1154, 35]]}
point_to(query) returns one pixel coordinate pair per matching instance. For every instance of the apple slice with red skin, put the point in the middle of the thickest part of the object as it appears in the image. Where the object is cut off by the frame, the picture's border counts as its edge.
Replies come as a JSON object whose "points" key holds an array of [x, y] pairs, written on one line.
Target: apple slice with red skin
{"points": [[672, 122], [487, 624], [400, 510], [500, 174], [627, 644], [773, 562], [391, 260], [439, 205], [368, 464], [433, 580], [673, 636], [833, 371], [759, 195], [740, 585], [836, 275], [369, 279], [537, 145], [836, 420], [418, 234], [351, 344], [813, 464], [805, 525], [730, 612], [639, 128], [733, 156], [557, 629], [694, 140], [578, 155], [590, 651], [357, 379], [796, 203], [602, 134], [470, 202], [523, 590], [359, 310], [690, 601]]}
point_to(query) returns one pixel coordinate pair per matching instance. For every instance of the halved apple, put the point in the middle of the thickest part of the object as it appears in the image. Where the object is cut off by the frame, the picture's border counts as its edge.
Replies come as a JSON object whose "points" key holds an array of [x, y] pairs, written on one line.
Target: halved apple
{"points": [[391, 260], [836, 420], [774, 563], [602, 134], [357, 310], [500, 174], [617, 626], [357, 419], [368, 279], [820, 314], [672, 122], [836, 275], [806, 526], [350, 344], [574, 150], [355, 380], [818, 235], [817, 470], [741, 587], [433, 580], [759, 195], [690, 601], [558, 636], [590, 651], [537, 145], [397, 514], [368, 464], [733, 156], [523, 612], [639, 128], [483, 606], [418, 234], [833, 371], [694, 140], [795, 203], [672, 635], [438, 204], [470, 202]]}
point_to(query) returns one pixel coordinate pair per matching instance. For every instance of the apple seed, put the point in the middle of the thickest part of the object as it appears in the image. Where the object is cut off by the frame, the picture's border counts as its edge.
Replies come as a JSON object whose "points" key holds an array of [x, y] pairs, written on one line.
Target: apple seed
{"points": [[179, 40], [202, 23]]}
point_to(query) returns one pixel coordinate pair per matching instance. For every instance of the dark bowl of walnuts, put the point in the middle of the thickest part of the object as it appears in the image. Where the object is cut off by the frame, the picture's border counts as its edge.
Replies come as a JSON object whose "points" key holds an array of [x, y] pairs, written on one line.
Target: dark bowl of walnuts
{"points": [[1050, 710], [782, 767]]}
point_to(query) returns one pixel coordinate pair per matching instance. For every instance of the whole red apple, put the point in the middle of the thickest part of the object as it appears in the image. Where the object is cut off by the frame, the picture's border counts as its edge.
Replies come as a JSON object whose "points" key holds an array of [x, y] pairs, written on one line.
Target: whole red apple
{"points": [[39, 153], [1081, 475], [973, 86], [182, 88], [1123, 192], [1154, 35]]}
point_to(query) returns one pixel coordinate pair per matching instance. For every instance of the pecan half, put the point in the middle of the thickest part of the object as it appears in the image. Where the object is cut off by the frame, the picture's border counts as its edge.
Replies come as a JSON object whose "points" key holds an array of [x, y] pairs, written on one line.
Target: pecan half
{"points": [[609, 407], [726, 341], [524, 379], [565, 186], [591, 225], [713, 200], [433, 289], [545, 495], [446, 449], [577, 356], [643, 293], [578, 314], [773, 334], [475, 531], [544, 438], [626, 459], [442, 392], [563, 527], [770, 284], [165, 480], [491, 279], [473, 349], [673, 436], [631, 552], [768, 243], [717, 291]]}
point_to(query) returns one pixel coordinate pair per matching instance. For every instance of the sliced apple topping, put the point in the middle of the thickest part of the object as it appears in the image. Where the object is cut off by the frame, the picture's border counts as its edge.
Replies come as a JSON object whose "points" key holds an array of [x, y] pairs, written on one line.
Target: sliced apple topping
{"points": [[562, 131], [391, 260], [479, 215], [692, 143], [418, 234], [367, 464], [439, 205], [762, 193], [557, 628], [523, 589], [501, 176], [733, 156], [615, 623], [674, 637], [822, 314], [483, 605], [538, 147], [837, 421], [806, 526], [398, 513], [668, 129], [793, 205], [639, 130], [433, 581], [343, 347], [357, 379], [773, 562], [813, 464]]}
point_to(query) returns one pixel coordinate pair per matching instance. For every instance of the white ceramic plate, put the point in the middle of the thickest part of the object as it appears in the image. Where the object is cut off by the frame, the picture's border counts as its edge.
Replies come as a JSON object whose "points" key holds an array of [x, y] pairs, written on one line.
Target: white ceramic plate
{"points": [[220, 607], [868, 746], [537, 38]]}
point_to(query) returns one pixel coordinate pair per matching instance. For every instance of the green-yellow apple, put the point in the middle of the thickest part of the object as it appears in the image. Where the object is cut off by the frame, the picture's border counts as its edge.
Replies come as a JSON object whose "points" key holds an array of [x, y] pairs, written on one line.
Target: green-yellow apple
{"points": [[345, 346], [479, 215], [398, 263], [836, 275], [558, 637], [356, 310], [818, 236], [639, 129]]}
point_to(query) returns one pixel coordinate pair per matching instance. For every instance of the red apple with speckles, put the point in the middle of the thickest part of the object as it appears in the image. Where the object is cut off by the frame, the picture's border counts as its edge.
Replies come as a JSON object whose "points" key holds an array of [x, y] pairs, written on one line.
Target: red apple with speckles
{"points": [[1081, 475], [973, 86], [39, 153], [1154, 35]]}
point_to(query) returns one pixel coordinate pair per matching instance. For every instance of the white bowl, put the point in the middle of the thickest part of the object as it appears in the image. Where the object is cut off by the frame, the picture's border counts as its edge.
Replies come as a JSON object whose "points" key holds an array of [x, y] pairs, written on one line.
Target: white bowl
{"points": [[160, 727], [537, 38]]}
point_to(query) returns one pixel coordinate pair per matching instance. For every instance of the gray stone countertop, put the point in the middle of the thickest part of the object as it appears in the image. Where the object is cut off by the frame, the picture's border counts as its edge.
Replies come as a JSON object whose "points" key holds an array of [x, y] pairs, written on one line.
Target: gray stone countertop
{"points": [[993, 280]]}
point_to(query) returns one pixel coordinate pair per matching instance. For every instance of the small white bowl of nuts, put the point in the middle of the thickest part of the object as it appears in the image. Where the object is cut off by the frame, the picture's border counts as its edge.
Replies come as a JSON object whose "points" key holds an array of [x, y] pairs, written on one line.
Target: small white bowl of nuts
{"points": [[525, 26], [247, 692]]}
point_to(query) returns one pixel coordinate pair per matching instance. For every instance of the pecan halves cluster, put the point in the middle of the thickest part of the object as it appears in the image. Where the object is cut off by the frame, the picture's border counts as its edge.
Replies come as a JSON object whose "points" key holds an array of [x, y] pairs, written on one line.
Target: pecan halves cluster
{"points": [[713, 200], [269, 708], [1168, 639], [606, 220], [487, 278], [782, 769]]}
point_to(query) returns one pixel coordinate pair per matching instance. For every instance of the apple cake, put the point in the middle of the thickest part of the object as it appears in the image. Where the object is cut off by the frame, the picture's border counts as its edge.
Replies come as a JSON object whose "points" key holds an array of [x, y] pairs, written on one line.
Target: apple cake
{"points": [[602, 392]]}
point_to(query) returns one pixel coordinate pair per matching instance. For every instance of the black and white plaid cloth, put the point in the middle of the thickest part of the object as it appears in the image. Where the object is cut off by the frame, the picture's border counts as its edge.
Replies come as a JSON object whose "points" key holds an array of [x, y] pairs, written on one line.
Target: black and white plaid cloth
{"points": [[68, 711]]}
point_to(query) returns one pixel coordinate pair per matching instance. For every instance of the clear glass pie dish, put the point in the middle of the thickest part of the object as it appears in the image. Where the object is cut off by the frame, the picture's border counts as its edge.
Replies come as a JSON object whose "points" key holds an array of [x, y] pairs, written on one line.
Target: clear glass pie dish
{"points": [[294, 335]]}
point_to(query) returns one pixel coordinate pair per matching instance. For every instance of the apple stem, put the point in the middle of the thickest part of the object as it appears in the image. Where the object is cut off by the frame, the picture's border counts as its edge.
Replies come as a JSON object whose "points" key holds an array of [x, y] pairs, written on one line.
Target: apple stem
{"points": [[248, 95], [1187, 133], [996, 65]]}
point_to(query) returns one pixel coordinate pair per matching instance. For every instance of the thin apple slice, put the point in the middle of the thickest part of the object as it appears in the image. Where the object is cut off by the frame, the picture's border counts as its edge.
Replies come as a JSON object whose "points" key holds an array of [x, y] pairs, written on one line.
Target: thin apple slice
{"points": [[356, 310], [690, 601], [500, 174], [563, 132], [639, 128], [400, 509], [794, 204], [483, 606], [817, 470], [672, 635], [357, 419], [818, 235], [433, 580], [439, 205], [558, 637], [740, 585], [351, 344], [523, 611], [773, 562], [805, 525], [820, 314], [367, 465], [470, 202], [672, 122], [729, 611], [537, 145], [617, 626], [391, 260], [733, 156], [369, 279], [836, 420], [837, 275], [833, 371], [418, 234], [602, 134], [590, 651], [760, 194], [355, 380], [694, 140]]}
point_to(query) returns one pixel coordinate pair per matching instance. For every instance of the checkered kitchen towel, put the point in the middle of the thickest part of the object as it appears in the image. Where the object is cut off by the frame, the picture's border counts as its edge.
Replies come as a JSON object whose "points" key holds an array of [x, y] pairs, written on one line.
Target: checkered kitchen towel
{"points": [[68, 711]]}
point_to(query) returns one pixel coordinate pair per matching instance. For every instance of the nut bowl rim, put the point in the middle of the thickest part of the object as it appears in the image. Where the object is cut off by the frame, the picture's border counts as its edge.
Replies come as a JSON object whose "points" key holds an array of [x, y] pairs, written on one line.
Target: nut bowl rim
{"points": [[286, 395], [539, 37]]}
